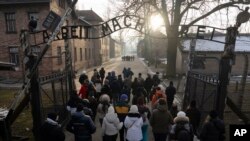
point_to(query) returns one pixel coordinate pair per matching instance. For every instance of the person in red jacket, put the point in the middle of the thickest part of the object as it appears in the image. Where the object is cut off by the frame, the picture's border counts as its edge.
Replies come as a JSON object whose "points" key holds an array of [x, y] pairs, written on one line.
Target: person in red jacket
{"points": [[83, 93]]}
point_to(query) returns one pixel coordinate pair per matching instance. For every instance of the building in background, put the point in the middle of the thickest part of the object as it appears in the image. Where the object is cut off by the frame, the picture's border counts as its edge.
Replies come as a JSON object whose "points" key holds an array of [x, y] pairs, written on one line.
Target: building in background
{"points": [[211, 52], [95, 55], [157, 48], [116, 48], [15, 16]]}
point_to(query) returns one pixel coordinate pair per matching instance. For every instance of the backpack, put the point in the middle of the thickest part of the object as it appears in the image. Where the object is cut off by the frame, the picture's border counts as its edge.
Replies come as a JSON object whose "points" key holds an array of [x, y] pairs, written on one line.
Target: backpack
{"points": [[182, 134]]}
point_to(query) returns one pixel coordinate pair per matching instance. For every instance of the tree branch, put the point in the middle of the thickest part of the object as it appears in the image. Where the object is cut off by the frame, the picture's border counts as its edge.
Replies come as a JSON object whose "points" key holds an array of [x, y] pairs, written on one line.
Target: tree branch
{"points": [[189, 4], [217, 8]]}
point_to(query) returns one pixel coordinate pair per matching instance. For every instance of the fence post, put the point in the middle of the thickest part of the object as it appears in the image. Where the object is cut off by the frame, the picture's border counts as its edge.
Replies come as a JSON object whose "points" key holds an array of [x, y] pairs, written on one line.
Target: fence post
{"points": [[226, 62], [35, 100]]}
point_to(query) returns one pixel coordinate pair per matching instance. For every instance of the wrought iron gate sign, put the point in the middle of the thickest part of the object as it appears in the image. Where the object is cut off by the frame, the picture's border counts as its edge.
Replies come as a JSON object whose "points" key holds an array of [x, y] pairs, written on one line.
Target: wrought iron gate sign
{"points": [[83, 32]]}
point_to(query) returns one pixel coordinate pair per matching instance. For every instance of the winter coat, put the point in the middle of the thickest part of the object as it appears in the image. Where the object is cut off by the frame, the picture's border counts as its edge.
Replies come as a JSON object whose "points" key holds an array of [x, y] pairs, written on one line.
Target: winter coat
{"points": [[182, 130], [161, 119], [158, 94], [170, 92], [81, 126], [145, 113], [194, 117], [51, 131], [111, 124], [148, 83], [133, 123], [106, 89], [102, 73], [122, 109], [83, 93], [213, 130], [102, 112]]}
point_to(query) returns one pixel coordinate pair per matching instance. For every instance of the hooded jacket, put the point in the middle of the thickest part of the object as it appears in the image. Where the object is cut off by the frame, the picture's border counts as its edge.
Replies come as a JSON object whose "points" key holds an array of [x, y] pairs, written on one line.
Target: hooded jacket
{"points": [[133, 122], [181, 130], [111, 124], [161, 119], [81, 126], [213, 130]]}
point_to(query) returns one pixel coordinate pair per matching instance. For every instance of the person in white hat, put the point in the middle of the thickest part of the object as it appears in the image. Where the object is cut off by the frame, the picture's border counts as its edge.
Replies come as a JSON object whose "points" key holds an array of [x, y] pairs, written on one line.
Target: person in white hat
{"points": [[182, 130], [133, 122]]}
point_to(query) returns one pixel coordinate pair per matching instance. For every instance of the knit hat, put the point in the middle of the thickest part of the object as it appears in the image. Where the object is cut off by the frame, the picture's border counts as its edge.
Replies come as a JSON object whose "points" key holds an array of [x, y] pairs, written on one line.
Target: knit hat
{"points": [[123, 97], [133, 109], [104, 97], [181, 114], [111, 109]]}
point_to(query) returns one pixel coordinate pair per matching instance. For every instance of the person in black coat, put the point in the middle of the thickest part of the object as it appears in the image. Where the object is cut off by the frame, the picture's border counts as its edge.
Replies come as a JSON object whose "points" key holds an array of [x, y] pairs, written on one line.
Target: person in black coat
{"points": [[194, 116], [81, 125], [170, 92], [102, 73], [213, 129], [51, 130], [148, 84]]}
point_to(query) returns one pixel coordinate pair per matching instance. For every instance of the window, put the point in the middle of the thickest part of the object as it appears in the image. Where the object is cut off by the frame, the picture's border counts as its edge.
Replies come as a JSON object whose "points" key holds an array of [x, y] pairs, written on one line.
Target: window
{"points": [[14, 57], [10, 20], [62, 3], [86, 54], [35, 16], [89, 55], [80, 54], [59, 54], [75, 54]]}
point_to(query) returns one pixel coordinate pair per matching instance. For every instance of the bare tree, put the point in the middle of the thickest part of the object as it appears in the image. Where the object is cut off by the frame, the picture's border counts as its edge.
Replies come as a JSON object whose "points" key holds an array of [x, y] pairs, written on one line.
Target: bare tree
{"points": [[174, 13]]}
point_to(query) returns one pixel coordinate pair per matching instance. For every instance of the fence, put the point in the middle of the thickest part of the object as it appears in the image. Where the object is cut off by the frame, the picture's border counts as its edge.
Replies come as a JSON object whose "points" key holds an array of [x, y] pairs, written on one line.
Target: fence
{"points": [[203, 89], [54, 94]]}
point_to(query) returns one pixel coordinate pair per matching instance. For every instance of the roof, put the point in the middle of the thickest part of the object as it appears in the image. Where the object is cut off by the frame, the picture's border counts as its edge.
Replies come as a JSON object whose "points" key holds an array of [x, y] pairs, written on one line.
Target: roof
{"points": [[89, 15], [82, 19], [7, 66], [5, 2], [242, 44]]}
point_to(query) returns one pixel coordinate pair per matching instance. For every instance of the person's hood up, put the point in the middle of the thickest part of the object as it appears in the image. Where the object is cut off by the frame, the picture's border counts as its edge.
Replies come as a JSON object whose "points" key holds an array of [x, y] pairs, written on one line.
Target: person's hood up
{"points": [[181, 117], [111, 116]]}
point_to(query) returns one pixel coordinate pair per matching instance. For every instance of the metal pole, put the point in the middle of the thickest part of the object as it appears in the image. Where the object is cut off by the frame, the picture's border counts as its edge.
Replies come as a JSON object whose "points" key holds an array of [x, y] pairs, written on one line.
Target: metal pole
{"points": [[226, 63], [35, 100], [68, 65]]}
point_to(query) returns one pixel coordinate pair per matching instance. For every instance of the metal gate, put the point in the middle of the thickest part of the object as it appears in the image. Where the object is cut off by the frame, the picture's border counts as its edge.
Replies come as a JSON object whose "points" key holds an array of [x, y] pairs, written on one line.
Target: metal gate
{"points": [[204, 90], [54, 94]]}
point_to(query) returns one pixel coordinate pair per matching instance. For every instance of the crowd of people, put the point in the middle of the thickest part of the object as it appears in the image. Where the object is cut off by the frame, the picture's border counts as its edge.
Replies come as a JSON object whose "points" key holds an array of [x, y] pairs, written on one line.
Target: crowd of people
{"points": [[107, 96], [128, 58]]}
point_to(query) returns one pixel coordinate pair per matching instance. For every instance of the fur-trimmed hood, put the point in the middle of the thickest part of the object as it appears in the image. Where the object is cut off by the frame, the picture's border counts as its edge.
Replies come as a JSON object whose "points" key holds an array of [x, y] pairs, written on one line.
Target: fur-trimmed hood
{"points": [[181, 119]]}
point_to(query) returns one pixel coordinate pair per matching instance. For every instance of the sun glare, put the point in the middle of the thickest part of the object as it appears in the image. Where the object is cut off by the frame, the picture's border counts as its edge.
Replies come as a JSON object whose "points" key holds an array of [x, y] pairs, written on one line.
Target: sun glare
{"points": [[156, 21]]}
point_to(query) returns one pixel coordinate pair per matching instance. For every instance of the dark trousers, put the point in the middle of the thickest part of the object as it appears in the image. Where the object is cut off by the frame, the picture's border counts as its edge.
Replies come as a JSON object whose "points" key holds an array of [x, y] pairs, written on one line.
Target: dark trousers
{"points": [[160, 136], [170, 102], [121, 133], [109, 137]]}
